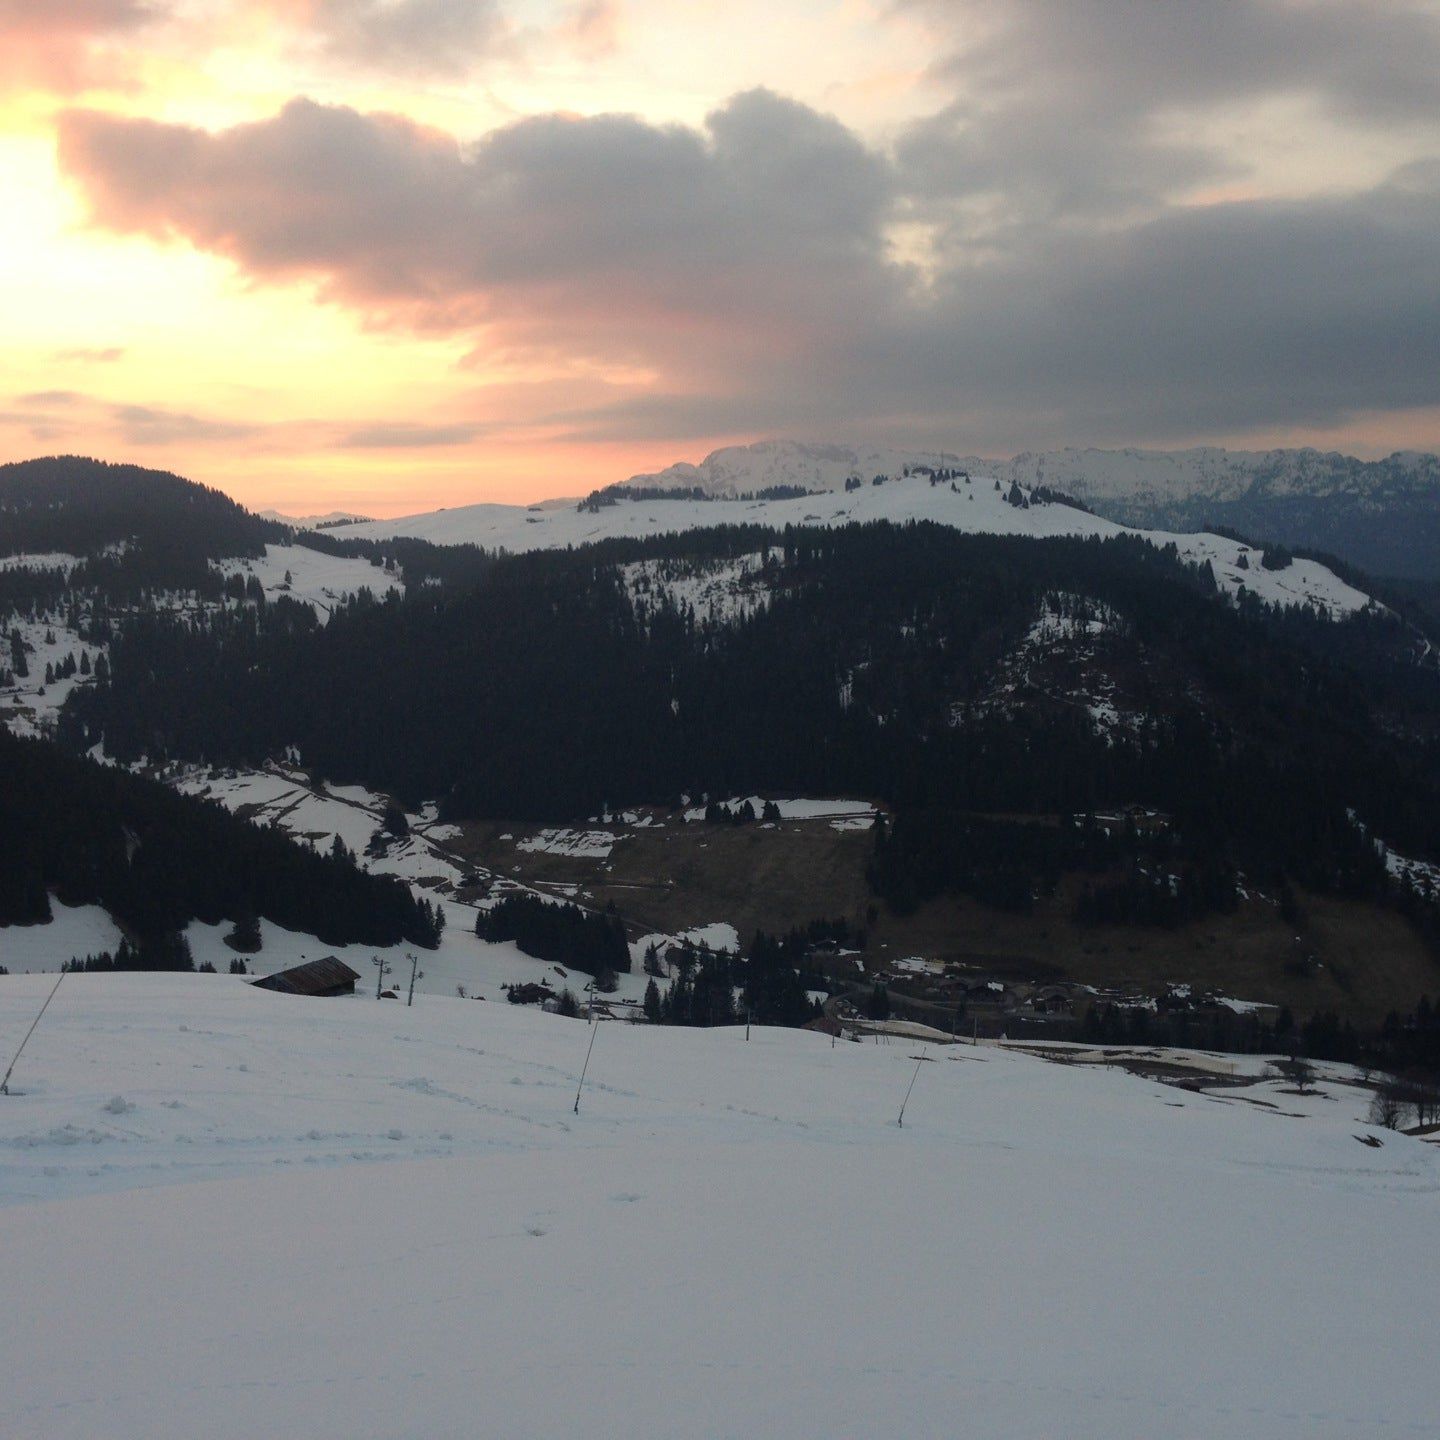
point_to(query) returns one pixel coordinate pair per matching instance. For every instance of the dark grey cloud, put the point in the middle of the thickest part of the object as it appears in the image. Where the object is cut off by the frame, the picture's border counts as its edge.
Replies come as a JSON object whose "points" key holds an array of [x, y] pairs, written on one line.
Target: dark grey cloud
{"points": [[1153, 54], [1211, 320], [1067, 108], [1207, 319]]}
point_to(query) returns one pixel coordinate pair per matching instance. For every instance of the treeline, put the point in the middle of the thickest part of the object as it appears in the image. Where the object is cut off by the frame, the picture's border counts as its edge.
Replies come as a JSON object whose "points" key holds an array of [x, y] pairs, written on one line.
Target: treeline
{"points": [[535, 693], [608, 495], [1166, 876], [1404, 1044], [767, 979], [558, 933], [169, 951], [417, 562], [156, 860], [601, 499]]}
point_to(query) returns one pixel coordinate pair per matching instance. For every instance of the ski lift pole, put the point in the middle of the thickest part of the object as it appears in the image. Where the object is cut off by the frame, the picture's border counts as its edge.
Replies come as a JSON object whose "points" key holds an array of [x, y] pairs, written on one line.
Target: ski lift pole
{"points": [[382, 969], [5, 1083]]}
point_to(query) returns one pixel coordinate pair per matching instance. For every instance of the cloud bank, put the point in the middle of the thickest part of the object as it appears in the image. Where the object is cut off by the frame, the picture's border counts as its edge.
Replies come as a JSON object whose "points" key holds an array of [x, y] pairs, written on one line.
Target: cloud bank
{"points": [[1072, 245]]}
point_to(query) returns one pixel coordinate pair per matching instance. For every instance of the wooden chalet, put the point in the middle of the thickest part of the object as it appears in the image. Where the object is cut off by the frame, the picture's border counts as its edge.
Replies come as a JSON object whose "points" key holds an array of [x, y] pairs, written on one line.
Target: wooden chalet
{"points": [[317, 977]]}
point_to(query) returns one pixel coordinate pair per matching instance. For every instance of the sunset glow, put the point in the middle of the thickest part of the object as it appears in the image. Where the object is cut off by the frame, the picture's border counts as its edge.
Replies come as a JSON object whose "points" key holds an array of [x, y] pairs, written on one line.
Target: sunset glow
{"points": [[389, 255]]}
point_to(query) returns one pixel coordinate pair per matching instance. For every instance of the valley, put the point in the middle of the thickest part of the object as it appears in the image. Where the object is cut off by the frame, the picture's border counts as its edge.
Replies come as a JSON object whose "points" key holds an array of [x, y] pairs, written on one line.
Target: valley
{"points": [[955, 951]]}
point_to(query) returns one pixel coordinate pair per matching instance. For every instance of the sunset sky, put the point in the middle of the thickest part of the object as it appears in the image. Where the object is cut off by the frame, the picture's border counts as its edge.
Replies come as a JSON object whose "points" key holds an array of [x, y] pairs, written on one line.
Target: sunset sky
{"points": [[394, 254]]}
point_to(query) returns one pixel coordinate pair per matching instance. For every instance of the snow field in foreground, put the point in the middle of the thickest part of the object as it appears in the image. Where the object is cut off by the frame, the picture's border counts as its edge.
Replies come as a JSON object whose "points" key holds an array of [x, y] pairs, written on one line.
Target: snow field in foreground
{"points": [[729, 1239]]}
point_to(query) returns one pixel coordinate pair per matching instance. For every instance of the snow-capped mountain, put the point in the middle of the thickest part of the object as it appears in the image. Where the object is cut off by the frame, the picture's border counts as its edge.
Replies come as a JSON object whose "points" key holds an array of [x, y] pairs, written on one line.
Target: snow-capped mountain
{"points": [[744, 469], [1381, 514], [1168, 477], [1139, 478]]}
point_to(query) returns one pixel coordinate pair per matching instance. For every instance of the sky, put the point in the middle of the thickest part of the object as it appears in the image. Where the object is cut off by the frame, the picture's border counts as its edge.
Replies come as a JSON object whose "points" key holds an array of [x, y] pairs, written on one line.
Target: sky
{"points": [[387, 255]]}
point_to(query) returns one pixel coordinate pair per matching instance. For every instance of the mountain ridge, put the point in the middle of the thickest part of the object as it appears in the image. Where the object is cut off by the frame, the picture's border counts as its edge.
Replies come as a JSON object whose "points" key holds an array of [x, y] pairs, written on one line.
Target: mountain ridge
{"points": [[1383, 515], [1212, 470]]}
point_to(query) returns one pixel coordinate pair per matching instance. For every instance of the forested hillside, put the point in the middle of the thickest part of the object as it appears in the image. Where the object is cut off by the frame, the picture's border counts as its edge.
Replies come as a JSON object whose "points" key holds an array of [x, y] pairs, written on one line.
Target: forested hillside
{"points": [[154, 526], [943, 673], [91, 834]]}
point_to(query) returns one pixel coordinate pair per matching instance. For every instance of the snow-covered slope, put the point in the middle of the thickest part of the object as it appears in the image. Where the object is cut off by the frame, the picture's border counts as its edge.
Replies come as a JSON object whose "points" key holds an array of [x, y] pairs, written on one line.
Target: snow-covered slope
{"points": [[977, 506], [284, 797], [408, 1232], [311, 576]]}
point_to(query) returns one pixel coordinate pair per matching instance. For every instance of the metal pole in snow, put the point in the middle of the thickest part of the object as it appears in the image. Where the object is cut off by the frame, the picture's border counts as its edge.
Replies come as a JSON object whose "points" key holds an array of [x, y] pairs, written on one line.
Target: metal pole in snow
{"points": [[414, 970], [5, 1083], [594, 1031], [919, 1061]]}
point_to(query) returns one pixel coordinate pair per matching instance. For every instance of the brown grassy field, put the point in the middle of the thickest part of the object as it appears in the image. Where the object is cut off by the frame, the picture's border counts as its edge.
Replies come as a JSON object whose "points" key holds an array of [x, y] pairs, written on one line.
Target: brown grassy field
{"points": [[1365, 959]]}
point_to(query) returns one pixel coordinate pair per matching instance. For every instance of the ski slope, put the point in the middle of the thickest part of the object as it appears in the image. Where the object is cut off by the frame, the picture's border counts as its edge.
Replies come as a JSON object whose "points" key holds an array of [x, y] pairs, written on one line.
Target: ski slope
{"points": [[977, 508], [406, 1231], [311, 576]]}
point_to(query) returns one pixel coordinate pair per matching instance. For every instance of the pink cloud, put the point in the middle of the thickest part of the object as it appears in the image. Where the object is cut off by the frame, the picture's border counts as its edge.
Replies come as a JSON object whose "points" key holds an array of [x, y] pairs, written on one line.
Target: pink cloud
{"points": [[61, 45]]}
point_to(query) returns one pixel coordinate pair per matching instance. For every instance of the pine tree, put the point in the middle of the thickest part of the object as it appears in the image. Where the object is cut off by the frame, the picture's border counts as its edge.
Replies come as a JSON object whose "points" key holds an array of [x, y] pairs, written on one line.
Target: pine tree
{"points": [[245, 936], [877, 1006]]}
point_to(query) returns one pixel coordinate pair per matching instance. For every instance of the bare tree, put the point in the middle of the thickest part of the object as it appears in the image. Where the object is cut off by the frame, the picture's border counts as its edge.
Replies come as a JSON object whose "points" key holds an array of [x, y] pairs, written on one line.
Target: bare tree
{"points": [[1388, 1107], [1425, 1096]]}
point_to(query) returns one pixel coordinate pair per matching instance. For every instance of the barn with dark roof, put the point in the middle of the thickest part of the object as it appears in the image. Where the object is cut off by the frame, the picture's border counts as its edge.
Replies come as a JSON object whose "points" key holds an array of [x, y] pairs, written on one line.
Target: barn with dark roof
{"points": [[318, 977]]}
